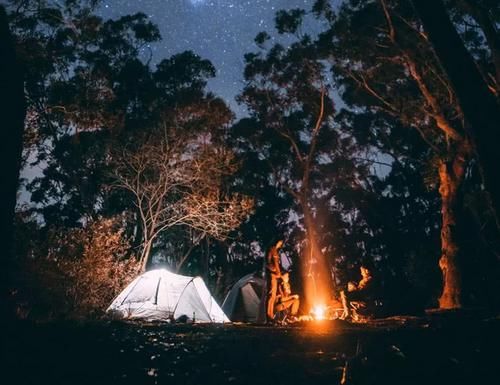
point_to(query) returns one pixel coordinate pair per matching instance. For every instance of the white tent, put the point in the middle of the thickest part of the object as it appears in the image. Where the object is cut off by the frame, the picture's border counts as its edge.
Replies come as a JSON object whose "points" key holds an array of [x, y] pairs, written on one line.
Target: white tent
{"points": [[162, 295]]}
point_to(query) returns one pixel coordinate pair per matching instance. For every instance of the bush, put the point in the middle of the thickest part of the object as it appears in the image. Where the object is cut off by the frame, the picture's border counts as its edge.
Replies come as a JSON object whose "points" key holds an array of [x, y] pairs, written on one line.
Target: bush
{"points": [[81, 273]]}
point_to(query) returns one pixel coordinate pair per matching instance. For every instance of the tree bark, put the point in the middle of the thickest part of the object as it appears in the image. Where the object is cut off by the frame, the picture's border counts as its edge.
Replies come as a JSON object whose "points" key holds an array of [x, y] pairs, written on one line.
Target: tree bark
{"points": [[479, 106], [451, 177], [185, 257], [145, 255], [12, 113]]}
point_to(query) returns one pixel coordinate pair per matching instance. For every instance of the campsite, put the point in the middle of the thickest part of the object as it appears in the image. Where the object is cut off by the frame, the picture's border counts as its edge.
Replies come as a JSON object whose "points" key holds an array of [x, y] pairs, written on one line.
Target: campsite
{"points": [[435, 350], [249, 192]]}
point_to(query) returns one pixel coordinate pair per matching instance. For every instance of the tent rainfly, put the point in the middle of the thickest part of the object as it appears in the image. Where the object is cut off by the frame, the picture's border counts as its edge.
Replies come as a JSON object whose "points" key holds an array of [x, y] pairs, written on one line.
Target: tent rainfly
{"points": [[159, 295], [246, 300]]}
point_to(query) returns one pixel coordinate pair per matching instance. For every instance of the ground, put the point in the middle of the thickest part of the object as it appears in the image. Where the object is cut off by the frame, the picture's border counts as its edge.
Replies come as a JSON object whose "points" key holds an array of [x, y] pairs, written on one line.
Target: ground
{"points": [[440, 348]]}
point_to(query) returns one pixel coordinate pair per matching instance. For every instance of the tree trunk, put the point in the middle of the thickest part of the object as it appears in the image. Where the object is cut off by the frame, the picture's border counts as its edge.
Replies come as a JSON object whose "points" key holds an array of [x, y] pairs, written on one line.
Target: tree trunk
{"points": [[146, 250], [219, 281], [480, 107], [184, 257], [206, 266], [12, 113], [451, 177], [195, 242]]}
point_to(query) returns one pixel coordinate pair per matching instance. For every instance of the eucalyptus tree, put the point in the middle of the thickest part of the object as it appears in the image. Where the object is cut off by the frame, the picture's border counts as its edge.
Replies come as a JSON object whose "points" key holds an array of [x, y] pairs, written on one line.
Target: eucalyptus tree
{"points": [[301, 152], [384, 63], [478, 92], [76, 65], [12, 110], [92, 91]]}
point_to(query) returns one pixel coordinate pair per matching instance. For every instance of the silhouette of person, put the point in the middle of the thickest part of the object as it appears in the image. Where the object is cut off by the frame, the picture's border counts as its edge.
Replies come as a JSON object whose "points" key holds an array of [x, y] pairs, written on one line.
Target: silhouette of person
{"points": [[285, 299], [273, 272]]}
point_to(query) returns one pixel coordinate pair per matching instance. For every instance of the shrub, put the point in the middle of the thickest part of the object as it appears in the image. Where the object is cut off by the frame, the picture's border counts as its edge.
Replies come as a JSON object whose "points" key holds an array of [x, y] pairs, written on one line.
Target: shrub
{"points": [[81, 273]]}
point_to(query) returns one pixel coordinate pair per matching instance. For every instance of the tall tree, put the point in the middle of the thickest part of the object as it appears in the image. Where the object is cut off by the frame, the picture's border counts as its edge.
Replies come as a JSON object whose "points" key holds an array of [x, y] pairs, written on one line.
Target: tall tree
{"points": [[92, 90], [385, 64], [481, 109], [78, 67], [12, 110], [305, 154]]}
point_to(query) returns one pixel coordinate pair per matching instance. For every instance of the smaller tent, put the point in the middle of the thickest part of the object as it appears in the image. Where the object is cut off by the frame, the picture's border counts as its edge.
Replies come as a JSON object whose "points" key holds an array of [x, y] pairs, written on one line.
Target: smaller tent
{"points": [[245, 301], [161, 295]]}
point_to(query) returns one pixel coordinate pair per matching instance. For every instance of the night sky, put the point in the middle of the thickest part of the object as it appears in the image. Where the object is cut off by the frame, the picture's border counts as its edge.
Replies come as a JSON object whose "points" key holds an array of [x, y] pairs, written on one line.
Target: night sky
{"points": [[219, 30]]}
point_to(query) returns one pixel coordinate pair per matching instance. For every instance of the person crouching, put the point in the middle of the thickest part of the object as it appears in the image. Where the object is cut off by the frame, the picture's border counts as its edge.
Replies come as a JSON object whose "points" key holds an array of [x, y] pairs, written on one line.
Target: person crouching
{"points": [[285, 299]]}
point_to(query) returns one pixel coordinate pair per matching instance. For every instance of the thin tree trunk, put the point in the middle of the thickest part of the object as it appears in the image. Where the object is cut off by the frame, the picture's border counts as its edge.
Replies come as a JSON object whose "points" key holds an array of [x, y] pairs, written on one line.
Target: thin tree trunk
{"points": [[451, 177], [145, 255], [316, 272], [196, 242], [218, 292], [185, 257], [206, 267], [12, 113]]}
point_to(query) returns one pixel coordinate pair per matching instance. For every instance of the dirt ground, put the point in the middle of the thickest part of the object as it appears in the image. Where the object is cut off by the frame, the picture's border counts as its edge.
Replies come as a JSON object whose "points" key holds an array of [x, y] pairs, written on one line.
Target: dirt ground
{"points": [[440, 348]]}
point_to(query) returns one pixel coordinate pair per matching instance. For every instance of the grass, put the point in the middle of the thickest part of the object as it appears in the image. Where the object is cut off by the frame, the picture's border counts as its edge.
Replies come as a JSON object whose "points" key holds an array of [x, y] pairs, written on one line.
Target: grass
{"points": [[441, 349]]}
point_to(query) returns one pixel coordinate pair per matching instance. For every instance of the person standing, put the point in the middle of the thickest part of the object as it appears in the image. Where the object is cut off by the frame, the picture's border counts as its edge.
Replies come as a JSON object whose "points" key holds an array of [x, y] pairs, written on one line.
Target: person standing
{"points": [[273, 272]]}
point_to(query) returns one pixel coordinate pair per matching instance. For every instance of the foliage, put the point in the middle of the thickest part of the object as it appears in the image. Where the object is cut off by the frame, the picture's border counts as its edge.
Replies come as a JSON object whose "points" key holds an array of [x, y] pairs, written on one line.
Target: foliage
{"points": [[343, 151], [103, 269], [179, 182], [305, 163], [387, 71], [83, 271], [91, 92]]}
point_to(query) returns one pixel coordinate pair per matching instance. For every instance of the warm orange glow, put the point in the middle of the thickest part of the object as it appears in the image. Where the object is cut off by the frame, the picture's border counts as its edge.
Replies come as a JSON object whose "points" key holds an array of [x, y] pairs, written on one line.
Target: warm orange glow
{"points": [[319, 311], [317, 281]]}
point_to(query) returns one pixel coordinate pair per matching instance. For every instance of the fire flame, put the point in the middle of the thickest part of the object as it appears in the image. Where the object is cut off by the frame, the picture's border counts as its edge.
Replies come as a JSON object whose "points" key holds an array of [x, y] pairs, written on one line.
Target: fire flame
{"points": [[319, 311]]}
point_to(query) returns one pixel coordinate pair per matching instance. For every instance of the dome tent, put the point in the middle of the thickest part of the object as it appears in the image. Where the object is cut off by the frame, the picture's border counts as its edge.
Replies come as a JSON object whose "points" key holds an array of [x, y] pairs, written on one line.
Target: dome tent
{"points": [[161, 295], [246, 300]]}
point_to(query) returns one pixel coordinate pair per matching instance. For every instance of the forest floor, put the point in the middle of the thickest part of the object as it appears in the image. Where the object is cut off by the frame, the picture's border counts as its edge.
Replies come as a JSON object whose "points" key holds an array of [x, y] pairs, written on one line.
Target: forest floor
{"points": [[441, 348]]}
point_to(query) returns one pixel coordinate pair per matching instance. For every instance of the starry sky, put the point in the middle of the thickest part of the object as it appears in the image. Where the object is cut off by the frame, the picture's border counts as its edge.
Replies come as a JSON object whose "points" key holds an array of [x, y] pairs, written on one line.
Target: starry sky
{"points": [[219, 30]]}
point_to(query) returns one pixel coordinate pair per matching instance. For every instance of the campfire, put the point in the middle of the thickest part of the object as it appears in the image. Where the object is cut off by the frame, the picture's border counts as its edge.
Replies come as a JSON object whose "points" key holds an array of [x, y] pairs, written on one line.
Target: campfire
{"points": [[319, 312]]}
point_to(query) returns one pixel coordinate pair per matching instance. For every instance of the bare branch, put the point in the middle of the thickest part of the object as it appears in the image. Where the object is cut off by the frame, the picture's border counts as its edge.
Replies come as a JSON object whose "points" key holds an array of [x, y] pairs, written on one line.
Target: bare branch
{"points": [[179, 182]]}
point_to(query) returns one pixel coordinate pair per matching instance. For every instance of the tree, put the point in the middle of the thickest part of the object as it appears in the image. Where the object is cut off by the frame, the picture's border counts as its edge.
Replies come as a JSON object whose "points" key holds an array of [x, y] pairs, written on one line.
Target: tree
{"points": [[71, 272], [178, 182], [479, 106], [12, 110], [85, 85], [385, 64], [296, 145], [92, 90]]}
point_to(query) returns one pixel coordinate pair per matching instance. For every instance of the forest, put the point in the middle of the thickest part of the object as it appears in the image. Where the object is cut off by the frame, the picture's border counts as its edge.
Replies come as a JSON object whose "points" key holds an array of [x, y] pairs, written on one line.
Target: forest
{"points": [[362, 143], [371, 137]]}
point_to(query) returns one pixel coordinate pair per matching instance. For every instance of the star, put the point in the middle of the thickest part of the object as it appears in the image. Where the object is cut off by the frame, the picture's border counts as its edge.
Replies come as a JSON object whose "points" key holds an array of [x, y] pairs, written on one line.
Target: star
{"points": [[221, 31]]}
